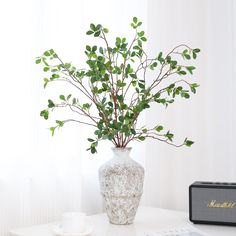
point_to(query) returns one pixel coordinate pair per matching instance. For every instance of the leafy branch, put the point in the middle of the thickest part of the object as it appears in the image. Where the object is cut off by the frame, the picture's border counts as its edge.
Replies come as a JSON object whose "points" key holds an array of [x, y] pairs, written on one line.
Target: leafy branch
{"points": [[116, 88]]}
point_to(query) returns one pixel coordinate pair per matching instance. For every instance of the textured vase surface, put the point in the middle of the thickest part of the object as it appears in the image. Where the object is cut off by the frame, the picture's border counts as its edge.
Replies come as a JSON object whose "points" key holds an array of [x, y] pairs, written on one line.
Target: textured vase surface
{"points": [[121, 184]]}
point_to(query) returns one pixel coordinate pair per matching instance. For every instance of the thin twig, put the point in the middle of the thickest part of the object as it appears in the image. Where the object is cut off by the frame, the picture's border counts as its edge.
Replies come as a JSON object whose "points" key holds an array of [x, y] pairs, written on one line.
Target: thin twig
{"points": [[81, 122]]}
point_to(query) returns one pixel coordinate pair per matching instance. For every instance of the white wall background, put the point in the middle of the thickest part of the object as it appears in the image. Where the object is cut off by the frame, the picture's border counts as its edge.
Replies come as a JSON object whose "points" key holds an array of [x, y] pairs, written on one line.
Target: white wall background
{"points": [[209, 117], [40, 176]]}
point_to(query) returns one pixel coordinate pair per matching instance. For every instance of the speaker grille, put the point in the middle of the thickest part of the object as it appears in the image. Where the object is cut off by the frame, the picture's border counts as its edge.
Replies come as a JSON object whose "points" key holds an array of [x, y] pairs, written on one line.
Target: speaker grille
{"points": [[216, 205]]}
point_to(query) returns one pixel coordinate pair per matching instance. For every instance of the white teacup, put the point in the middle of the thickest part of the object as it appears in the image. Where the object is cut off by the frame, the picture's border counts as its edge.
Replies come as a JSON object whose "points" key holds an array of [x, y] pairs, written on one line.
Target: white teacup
{"points": [[73, 222]]}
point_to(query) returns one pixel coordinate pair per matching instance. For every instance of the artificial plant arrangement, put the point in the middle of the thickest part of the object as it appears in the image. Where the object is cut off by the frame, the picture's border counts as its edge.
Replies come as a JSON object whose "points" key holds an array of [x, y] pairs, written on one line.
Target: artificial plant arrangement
{"points": [[116, 87]]}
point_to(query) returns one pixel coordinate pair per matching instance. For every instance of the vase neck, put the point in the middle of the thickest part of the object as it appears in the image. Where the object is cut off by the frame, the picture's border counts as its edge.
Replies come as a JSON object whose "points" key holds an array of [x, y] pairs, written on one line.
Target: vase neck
{"points": [[121, 153]]}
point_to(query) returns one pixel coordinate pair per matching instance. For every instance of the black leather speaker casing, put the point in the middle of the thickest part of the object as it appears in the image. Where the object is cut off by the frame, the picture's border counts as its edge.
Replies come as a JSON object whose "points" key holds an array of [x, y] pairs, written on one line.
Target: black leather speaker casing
{"points": [[212, 203]]}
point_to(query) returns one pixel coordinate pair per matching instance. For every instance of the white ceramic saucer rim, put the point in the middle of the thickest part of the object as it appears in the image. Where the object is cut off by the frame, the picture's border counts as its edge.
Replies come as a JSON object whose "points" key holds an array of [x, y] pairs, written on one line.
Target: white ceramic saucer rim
{"points": [[58, 231]]}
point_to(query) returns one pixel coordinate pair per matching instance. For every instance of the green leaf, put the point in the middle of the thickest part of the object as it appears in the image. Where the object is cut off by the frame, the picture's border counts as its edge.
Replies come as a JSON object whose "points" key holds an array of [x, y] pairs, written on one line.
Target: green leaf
{"points": [[118, 40], [173, 64], [144, 130], [60, 123], [141, 138], [67, 65], [51, 51], [140, 44], [93, 150], [37, 61], [134, 83], [144, 39], [190, 69], [193, 90], [92, 27], [134, 76], [141, 85], [139, 24], [135, 20], [188, 143], [170, 101], [101, 50], [187, 56], [196, 50], [105, 30], [46, 80], [110, 104], [97, 33], [121, 118], [50, 104], [133, 131], [186, 95], [91, 140], [193, 87], [44, 114], [154, 64], [94, 48], [179, 88], [88, 48], [44, 61], [52, 129], [157, 95], [169, 136], [120, 98], [98, 27], [185, 51], [182, 72], [159, 128], [69, 96], [89, 32], [62, 97], [183, 93], [86, 106], [47, 54], [74, 101], [159, 58], [45, 69], [104, 100], [54, 76], [120, 84], [141, 34]]}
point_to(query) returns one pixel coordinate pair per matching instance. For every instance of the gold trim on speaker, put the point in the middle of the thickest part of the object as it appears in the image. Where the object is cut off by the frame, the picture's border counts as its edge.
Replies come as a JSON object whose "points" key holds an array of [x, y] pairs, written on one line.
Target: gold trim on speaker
{"points": [[215, 204]]}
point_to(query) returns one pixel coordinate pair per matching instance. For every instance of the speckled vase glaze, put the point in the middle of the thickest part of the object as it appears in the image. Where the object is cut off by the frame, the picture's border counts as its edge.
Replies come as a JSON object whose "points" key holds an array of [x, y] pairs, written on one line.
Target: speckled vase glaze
{"points": [[121, 184]]}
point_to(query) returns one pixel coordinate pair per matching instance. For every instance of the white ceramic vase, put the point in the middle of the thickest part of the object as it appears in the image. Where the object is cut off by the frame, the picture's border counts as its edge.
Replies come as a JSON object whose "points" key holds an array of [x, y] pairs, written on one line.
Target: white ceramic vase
{"points": [[121, 185]]}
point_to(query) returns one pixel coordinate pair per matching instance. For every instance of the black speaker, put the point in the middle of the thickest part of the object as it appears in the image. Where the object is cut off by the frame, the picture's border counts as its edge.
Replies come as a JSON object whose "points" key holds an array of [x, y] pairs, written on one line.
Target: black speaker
{"points": [[212, 203]]}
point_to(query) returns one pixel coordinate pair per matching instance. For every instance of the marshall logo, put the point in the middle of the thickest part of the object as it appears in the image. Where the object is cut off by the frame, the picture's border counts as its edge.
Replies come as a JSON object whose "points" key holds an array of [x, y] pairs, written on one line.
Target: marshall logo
{"points": [[212, 203], [215, 204]]}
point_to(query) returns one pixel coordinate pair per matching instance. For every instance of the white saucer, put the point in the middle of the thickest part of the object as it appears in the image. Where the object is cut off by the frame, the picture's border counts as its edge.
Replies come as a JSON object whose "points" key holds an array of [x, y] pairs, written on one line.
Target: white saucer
{"points": [[58, 231]]}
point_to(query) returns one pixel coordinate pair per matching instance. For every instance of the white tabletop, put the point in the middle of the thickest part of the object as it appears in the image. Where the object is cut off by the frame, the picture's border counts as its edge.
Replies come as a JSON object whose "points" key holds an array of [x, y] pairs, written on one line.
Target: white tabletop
{"points": [[147, 220]]}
